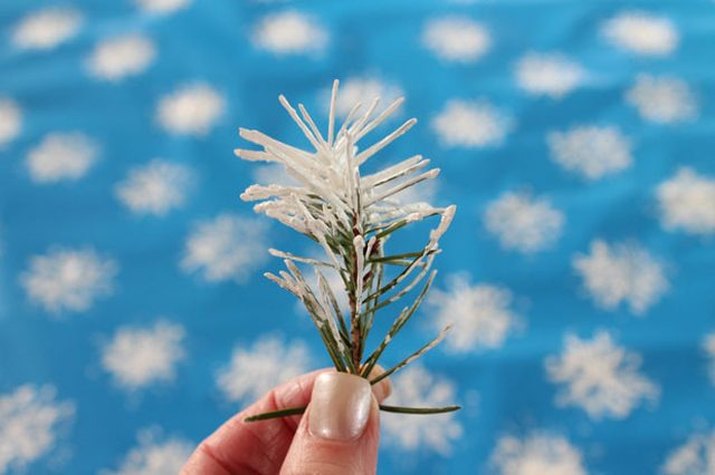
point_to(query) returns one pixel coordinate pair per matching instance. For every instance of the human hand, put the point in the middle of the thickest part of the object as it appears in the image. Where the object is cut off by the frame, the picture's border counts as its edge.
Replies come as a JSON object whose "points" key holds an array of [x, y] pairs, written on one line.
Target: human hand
{"points": [[338, 434]]}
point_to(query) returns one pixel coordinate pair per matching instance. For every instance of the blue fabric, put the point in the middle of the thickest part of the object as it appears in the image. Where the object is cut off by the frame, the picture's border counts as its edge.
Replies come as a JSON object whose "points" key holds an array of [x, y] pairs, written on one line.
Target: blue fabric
{"points": [[661, 247]]}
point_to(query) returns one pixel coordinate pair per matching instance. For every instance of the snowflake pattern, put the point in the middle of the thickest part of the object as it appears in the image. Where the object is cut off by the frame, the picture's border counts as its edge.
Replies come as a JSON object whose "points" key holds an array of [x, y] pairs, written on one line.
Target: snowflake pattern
{"points": [[482, 315], [622, 273], [290, 33], [686, 202], [600, 377], [154, 455], [471, 124], [31, 422], [456, 39], [155, 188], [252, 372], [120, 57], [47, 29], [593, 152], [192, 109], [62, 156], [523, 223], [137, 357], [162, 7], [642, 33], [662, 99], [68, 280], [548, 74], [228, 247], [537, 454]]}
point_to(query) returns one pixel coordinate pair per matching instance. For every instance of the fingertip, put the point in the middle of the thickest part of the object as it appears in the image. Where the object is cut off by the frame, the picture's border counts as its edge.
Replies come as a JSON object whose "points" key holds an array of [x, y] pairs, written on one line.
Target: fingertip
{"points": [[339, 433], [259, 446]]}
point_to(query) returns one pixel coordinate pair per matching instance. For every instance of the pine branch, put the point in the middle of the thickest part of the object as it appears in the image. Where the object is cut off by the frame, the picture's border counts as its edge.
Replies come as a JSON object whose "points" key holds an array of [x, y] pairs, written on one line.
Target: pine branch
{"points": [[352, 218]]}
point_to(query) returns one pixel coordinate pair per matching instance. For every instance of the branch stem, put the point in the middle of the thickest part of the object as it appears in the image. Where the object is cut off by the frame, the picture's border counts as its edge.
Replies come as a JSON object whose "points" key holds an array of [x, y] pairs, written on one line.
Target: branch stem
{"points": [[294, 411]]}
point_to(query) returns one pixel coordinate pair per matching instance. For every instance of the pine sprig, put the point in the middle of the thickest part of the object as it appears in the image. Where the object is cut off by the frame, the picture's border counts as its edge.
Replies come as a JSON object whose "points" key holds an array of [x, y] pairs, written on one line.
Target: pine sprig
{"points": [[351, 217]]}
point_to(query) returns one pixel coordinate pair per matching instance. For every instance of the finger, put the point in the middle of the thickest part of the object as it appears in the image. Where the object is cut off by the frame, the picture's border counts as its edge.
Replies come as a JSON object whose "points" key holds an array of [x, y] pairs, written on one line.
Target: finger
{"points": [[260, 447], [339, 433], [253, 447]]}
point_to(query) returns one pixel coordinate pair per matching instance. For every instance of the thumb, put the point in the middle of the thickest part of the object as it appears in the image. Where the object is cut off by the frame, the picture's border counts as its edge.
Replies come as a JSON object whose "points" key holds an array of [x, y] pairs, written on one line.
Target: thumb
{"points": [[339, 433]]}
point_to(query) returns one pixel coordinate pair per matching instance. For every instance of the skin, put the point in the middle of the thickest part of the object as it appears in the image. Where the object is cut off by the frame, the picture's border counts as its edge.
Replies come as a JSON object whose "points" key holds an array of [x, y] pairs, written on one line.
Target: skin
{"points": [[285, 445]]}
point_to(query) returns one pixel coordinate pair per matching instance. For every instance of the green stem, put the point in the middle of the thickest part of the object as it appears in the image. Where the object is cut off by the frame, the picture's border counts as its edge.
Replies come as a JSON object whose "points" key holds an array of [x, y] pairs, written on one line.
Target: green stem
{"points": [[294, 411], [291, 411], [419, 410]]}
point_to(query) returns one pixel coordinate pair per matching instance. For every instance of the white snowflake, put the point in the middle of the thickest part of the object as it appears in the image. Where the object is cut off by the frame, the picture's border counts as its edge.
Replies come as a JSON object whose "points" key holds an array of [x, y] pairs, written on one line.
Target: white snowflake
{"points": [[471, 124], [31, 421], [253, 371], [417, 387], [10, 121], [228, 247], [289, 33], [600, 377], [621, 273], [162, 6], [695, 457], [548, 74], [154, 456], [122, 56], [662, 99], [481, 315], [709, 347], [537, 454], [642, 33], [591, 151], [687, 202], [155, 188], [68, 279], [62, 156], [46, 29], [457, 39], [524, 223], [192, 109], [137, 357], [364, 89]]}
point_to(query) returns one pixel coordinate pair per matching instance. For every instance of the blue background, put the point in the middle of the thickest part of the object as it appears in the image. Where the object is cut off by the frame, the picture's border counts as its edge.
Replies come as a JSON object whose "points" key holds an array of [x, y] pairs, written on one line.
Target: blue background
{"points": [[210, 41]]}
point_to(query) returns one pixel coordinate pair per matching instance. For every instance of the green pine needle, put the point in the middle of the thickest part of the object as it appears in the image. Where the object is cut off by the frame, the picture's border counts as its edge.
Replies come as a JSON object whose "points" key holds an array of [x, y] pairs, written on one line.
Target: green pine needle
{"points": [[295, 411]]}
